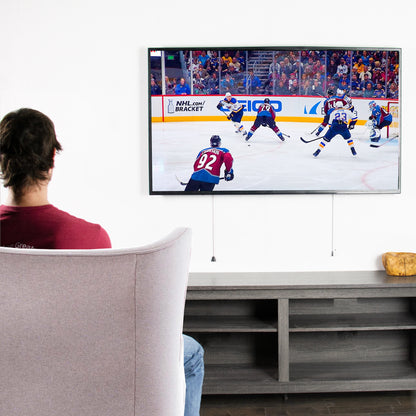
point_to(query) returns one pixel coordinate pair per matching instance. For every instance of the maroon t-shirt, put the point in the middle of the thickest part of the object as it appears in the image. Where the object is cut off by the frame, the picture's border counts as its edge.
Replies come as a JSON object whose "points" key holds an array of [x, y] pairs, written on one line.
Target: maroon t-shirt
{"points": [[48, 227]]}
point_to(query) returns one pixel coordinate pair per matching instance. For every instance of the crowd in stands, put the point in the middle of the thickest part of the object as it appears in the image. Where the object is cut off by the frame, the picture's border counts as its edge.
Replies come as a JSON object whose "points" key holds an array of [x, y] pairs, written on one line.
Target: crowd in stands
{"points": [[367, 73]]}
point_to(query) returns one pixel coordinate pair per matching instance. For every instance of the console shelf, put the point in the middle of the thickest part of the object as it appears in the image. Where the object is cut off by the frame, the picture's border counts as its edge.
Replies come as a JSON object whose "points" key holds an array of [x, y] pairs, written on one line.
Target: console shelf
{"points": [[303, 332]]}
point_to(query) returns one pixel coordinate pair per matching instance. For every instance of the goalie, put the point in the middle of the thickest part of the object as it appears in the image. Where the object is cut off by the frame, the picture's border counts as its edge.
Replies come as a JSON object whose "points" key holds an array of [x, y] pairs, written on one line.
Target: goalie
{"points": [[266, 118], [378, 119], [236, 111]]}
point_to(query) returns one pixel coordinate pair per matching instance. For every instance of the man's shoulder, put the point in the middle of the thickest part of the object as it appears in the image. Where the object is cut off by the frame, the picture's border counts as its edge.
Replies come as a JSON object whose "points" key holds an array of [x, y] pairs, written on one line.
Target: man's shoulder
{"points": [[81, 232]]}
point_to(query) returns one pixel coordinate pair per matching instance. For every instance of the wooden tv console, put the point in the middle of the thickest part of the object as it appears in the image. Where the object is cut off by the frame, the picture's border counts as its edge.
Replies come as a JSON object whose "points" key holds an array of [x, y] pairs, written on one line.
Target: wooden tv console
{"points": [[304, 332]]}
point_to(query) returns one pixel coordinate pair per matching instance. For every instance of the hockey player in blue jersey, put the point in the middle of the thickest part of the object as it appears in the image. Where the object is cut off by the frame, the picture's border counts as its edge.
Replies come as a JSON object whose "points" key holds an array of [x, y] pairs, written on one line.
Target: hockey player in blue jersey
{"points": [[341, 121], [379, 118], [236, 111], [329, 105], [265, 117]]}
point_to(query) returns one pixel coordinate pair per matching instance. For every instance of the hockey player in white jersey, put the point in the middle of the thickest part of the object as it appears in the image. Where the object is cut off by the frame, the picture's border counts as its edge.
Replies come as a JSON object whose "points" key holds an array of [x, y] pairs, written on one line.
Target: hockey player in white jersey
{"points": [[236, 111], [341, 121]]}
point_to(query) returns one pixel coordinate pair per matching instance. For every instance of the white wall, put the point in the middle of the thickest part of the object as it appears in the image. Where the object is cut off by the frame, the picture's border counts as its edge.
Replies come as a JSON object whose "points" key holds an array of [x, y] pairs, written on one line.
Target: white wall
{"points": [[83, 63]]}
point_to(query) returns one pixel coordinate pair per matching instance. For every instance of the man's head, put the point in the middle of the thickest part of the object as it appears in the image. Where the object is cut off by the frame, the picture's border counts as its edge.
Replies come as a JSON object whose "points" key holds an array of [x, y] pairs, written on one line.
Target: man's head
{"points": [[27, 148]]}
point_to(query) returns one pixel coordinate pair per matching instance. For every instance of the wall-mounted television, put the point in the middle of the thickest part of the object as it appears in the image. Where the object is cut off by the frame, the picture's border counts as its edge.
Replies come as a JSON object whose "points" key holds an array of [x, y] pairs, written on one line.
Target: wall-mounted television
{"points": [[273, 120]]}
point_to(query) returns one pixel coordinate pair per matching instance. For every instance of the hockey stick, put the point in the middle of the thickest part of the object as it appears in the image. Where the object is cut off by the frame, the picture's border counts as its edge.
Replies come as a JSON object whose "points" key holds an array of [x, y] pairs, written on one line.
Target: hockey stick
{"points": [[182, 183], [314, 130], [387, 141], [312, 140], [223, 111], [286, 135]]}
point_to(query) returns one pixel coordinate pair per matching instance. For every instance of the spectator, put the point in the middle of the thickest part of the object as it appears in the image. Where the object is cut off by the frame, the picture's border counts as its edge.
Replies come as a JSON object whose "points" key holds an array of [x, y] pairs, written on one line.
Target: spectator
{"points": [[170, 86], [379, 91], [252, 83], [330, 83], [282, 88], [317, 89], [286, 66], [202, 72], [225, 62], [378, 74], [227, 84], [306, 87], [342, 68], [369, 90], [274, 67], [344, 83], [292, 78], [182, 88], [359, 65], [199, 84], [213, 84], [28, 145], [235, 64], [297, 69], [271, 82], [214, 62], [154, 87], [365, 82], [364, 72], [241, 59], [365, 57], [355, 90], [393, 91], [203, 59], [304, 56], [294, 87], [332, 67]]}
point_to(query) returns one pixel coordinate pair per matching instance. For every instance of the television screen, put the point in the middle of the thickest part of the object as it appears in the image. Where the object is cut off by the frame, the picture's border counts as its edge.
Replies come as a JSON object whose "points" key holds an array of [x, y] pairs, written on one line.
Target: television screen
{"points": [[274, 120]]}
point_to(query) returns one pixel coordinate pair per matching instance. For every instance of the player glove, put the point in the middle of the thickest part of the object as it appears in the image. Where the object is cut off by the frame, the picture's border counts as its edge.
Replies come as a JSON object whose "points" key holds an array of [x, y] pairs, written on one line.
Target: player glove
{"points": [[351, 125], [229, 175], [219, 106]]}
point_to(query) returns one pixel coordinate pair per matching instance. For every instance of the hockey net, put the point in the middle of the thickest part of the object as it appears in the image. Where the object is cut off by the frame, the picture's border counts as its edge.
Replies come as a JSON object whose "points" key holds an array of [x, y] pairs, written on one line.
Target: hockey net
{"points": [[394, 129]]}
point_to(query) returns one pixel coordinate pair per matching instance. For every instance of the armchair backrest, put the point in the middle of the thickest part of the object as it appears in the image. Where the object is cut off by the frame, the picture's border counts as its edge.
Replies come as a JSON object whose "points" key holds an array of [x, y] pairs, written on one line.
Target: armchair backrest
{"points": [[93, 332]]}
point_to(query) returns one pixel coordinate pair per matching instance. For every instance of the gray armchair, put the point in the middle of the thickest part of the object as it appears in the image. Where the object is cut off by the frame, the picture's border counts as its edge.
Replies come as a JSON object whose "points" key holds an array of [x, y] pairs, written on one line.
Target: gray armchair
{"points": [[93, 332]]}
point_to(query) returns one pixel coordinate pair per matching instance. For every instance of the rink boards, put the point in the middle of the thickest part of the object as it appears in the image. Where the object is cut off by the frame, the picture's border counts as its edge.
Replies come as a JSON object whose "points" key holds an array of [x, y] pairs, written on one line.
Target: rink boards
{"points": [[295, 109]]}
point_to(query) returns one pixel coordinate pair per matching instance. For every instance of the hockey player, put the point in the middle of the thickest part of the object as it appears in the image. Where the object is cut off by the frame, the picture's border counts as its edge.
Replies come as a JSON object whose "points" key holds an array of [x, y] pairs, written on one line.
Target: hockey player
{"points": [[329, 104], [208, 165], [236, 111], [265, 117], [379, 118], [341, 121]]}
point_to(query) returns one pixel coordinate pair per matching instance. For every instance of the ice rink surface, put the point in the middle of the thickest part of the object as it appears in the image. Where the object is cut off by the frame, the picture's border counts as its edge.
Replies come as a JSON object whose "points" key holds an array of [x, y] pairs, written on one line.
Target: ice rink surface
{"points": [[265, 163]]}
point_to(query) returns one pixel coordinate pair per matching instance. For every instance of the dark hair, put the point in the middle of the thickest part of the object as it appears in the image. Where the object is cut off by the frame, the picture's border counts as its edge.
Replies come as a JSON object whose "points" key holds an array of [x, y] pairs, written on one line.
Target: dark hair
{"points": [[27, 148]]}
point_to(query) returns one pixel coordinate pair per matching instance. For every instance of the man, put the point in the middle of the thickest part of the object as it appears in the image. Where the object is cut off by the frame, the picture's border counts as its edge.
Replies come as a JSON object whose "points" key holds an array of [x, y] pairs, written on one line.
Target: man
{"points": [[252, 83], [379, 118], [341, 121], [182, 88], [265, 117], [207, 167], [236, 111], [28, 146]]}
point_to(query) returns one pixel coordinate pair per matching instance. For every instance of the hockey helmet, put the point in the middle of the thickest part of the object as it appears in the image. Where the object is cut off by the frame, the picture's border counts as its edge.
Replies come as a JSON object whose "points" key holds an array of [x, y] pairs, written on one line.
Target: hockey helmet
{"points": [[372, 104], [267, 100], [340, 92], [215, 141]]}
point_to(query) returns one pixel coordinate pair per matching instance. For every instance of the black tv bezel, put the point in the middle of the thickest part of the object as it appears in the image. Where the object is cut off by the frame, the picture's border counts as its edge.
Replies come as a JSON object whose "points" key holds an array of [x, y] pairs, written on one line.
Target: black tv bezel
{"points": [[272, 192]]}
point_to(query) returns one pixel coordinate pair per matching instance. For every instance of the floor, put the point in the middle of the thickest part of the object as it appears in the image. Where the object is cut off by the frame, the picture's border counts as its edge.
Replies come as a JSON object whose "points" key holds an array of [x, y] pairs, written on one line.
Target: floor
{"points": [[347, 404]]}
